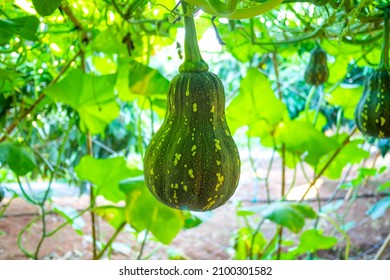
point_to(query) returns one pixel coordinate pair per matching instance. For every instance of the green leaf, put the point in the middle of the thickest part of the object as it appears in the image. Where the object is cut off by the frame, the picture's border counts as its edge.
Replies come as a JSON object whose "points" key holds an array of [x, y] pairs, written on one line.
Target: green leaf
{"points": [[25, 27], [290, 215], [347, 98], [19, 159], [351, 153], [313, 240], [114, 215], [257, 99], [91, 96], [143, 211], [302, 138], [379, 209], [236, 39], [106, 174], [46, 7], [383, 187], [146, 81], [245, 243], [71, 215]]}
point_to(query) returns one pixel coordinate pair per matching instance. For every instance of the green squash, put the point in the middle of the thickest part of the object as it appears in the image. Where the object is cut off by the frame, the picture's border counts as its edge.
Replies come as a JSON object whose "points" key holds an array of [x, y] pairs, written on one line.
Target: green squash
{"points": [[372, 114], [317, 71], [192, 162]]}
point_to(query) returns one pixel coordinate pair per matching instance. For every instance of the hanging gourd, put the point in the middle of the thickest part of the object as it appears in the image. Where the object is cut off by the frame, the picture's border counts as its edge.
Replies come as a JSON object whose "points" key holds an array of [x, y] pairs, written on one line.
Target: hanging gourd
{"points": [[317, 71], [372, 114], [192, 162]]}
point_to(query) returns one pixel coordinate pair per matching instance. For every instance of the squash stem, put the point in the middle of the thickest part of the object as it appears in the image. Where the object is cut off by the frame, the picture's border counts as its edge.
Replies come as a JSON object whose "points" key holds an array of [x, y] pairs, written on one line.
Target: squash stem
{"points": [[193, 61], [384, 63]]}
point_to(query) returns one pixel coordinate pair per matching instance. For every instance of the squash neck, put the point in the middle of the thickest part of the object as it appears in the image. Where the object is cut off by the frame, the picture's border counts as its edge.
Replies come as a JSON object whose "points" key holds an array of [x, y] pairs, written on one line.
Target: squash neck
{"points": [[193, 61]]}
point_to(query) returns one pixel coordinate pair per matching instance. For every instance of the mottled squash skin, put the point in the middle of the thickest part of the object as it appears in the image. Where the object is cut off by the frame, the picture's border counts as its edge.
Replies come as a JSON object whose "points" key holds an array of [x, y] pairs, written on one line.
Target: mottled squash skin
{"points": [[372, 114], [192, 162], [317, 71]]}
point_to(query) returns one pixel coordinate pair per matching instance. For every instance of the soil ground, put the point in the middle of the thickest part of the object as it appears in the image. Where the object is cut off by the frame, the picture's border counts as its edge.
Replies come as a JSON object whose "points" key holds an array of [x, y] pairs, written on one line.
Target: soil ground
{"points": [[213, 238]]}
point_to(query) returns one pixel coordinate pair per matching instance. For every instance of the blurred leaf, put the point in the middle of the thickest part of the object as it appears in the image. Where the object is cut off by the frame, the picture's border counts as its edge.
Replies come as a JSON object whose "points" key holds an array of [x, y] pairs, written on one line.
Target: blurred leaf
{"points": [[46, 7], [313, 240], [146, 81], [106, 174], [383, 187], [176, 254], [333, 206], [143, 211], [384, 146], [19, 159], [92, 96], [236, 39], [351, 153], [346, 98], [243, 246], [257, 99], [290, 215], [2, 193], [114, 215], [302, 138], [25, 27], [379, 209], [70, 214], [321, 119], [191, 220]]}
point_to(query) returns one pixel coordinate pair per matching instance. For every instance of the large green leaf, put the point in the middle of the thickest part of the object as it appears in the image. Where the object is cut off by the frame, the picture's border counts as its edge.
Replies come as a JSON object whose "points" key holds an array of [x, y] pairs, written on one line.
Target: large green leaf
{"points": [[144, 80], [144, 211], [256, 102], [351, 153], [347, 98], [25, 27], [290, 215], [92, 97], [106, 174], [114, 215], [313, 240], [46, 7], [302, 138], [236, 39], [245, 243], [19, 159]]}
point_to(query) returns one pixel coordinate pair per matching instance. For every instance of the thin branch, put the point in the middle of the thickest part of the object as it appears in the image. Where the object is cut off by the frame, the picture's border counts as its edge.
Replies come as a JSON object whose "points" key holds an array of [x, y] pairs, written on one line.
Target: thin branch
{"points": [[113, 237], [383, 248], [338, 150]]}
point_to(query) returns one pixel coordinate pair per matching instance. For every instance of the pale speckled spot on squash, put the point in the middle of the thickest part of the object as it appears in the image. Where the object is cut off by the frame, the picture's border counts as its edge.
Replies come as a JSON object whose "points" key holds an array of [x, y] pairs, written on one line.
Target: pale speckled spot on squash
{"points": [[220, 179], [194, 107], [177, 158], [212, 109], [378, 106], [217, 144], [211, 203], [383, 120], [191, 173], [188, 88], [193, 150]]}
